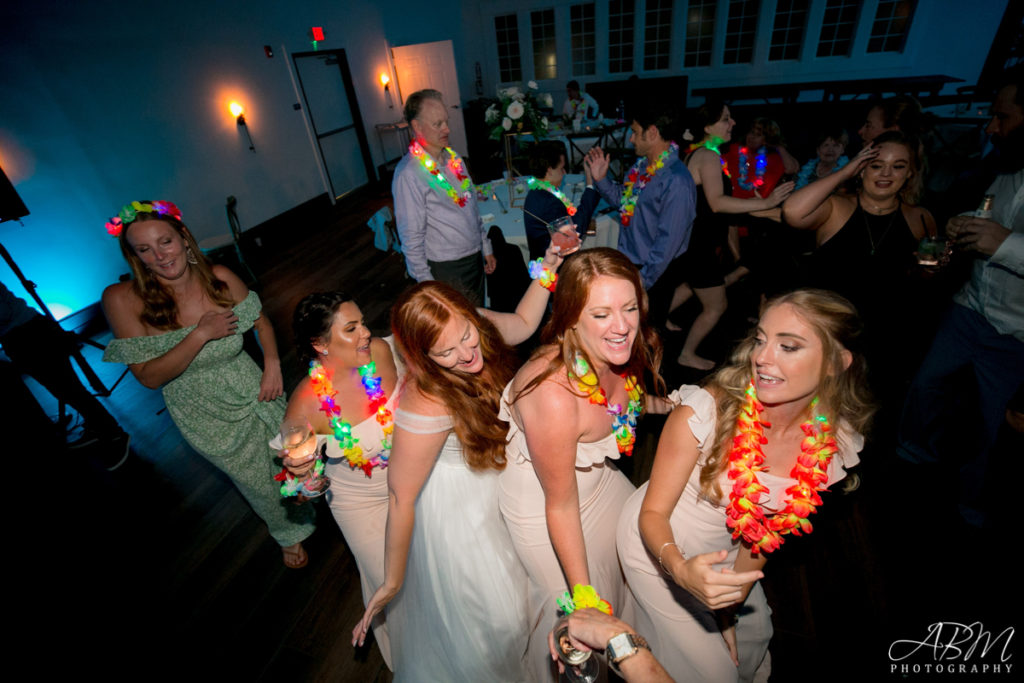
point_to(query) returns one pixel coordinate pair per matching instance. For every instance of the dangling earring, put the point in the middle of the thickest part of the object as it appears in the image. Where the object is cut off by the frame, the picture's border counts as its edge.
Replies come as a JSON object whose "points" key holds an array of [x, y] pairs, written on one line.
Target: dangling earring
{"points": [[324, 352], [190, 256]]}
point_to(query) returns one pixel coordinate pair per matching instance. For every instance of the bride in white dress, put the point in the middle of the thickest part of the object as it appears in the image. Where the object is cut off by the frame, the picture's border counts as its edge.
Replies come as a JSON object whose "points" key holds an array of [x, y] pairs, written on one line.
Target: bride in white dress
{"points": [[456, 588]]}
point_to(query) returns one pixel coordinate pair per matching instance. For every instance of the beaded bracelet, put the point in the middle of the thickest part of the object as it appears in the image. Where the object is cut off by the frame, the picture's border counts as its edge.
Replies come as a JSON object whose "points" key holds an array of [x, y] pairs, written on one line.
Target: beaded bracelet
{"points": [[547, 277], [583, 596]]}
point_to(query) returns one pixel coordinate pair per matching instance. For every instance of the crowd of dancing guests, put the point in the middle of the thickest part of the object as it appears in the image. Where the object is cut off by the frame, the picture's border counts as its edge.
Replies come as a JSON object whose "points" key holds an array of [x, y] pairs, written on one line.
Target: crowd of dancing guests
{"points": [[482, 497]]}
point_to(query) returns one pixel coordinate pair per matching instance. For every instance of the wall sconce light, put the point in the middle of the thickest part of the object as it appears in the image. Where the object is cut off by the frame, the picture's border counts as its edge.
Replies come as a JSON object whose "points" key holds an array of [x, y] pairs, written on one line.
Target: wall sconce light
{"points": [[385, 80], [239, 113]]}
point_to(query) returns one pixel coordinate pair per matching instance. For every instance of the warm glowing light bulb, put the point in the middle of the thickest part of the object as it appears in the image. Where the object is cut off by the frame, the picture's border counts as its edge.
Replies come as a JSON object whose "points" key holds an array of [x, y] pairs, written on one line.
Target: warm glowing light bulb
{"points": [[384, 80], [236, 109]]}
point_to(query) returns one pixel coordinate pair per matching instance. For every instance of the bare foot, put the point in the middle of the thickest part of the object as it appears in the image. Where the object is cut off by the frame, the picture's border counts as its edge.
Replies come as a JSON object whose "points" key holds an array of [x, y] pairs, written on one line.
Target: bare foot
{"points": [[695, 361], [672, 327], [295, 556]]}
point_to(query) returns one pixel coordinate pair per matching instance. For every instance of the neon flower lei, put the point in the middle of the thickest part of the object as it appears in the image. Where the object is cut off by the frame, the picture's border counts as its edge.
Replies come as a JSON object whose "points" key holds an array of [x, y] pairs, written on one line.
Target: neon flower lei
{"points": [[441, 182], [623, 422], [350, 447], [582, 598], [545, 185], [760, 166], [712, 143], [129, 212], [744, 515], [636, 182]]}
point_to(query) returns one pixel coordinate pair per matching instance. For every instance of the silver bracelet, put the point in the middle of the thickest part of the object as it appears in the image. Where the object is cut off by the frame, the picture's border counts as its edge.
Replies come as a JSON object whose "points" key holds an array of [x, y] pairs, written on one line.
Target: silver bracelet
{"points": [[662, 551]]}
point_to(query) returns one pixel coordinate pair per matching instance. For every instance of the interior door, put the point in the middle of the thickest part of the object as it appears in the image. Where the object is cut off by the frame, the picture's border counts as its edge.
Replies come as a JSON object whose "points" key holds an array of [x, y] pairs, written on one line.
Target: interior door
{"points": [[432, 65], [326, 85]]}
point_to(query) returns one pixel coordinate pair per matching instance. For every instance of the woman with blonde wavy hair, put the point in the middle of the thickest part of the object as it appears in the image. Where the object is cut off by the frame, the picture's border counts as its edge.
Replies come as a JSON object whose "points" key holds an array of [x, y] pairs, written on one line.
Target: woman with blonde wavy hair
{"points": [[572, 412], [459, 591], [740, 465]]}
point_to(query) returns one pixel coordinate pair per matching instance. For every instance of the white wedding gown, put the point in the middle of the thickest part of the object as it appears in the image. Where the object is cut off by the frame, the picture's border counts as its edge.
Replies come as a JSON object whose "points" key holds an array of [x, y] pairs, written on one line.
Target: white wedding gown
{"points": [[461, 614]]}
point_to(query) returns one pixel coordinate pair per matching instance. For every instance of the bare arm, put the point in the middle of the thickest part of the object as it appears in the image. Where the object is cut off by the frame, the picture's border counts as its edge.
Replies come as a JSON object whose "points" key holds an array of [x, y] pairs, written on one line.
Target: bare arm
{"points": [[591, 629], [123, 309], [812, 205], [674, 462], [789, 163], [550, 418], [706, 167], [517, 327], [412, 459]]}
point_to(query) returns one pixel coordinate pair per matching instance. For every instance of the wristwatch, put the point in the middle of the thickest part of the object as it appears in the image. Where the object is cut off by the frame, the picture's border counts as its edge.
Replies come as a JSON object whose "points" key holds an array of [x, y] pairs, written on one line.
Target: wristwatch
{"points": [[623, 646]]}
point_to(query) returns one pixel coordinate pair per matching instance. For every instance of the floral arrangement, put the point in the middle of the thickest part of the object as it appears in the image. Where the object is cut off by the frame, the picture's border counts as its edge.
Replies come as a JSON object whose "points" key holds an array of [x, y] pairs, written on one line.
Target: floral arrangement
{"points": [[517, 110]]}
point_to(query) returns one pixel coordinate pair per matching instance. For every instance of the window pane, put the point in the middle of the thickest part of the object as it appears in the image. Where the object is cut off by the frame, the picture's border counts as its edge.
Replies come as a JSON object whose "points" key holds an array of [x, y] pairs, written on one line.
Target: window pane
{"points": [[739, 32], [788, 29], [891, 26], [621, 22], [510, 66], [584, 59], [543, 25], [700, 29], [837, 28], [657, 34]]}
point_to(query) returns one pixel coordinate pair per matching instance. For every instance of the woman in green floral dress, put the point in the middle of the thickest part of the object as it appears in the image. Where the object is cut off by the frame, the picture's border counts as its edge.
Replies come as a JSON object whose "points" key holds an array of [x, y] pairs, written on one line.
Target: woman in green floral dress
{"points": [[178, 324]]}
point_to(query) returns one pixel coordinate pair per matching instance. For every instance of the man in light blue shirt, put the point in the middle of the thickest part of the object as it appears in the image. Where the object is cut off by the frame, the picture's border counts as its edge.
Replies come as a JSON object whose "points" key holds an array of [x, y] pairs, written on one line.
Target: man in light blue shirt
{"points": [[984, 330], [656, 210], [435, 204]]}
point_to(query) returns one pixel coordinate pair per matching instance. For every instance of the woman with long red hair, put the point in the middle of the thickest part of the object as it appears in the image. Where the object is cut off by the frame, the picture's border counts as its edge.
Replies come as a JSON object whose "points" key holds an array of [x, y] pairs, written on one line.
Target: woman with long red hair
{"points": [[572, 412], [459, 591]]}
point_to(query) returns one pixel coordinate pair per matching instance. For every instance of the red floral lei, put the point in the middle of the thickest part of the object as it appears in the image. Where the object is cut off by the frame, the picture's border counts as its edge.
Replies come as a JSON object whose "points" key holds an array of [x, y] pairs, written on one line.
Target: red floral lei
{"points": [[744, 515]]}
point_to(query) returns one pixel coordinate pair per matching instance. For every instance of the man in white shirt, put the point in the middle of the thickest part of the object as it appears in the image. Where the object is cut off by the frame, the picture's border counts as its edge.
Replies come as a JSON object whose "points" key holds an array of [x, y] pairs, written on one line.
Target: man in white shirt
{"points": [[985, 327]]}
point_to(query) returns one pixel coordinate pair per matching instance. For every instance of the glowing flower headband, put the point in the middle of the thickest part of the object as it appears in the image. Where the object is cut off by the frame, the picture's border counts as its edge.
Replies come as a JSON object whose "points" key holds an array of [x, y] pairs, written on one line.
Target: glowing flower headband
{"points": [[130, 212]]}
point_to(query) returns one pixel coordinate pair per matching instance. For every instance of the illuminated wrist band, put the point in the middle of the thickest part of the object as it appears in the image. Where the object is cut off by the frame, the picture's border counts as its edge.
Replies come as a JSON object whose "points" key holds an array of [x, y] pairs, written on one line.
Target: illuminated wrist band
{"points": [[582, 598], [547, 277], [291, 485]]}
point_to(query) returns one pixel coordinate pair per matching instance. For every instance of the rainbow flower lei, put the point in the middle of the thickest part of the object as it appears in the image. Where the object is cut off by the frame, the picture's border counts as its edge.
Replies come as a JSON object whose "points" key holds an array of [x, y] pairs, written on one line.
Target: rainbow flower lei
{"points": [[760, 166], [744, 516], [636, 182], [545, 185], [623, 421], [582, 597], [324, 390], [441, 183]]}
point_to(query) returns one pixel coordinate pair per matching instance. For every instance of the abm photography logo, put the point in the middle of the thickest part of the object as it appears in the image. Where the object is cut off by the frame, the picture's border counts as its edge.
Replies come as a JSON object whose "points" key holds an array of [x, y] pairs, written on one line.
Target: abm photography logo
{"points": [[952, 648]]}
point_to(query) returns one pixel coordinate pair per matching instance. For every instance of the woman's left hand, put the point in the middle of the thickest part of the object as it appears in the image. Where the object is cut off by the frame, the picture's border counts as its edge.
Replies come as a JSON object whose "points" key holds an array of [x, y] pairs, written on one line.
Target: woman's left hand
{"points": [[380, 599], [272, 384]]}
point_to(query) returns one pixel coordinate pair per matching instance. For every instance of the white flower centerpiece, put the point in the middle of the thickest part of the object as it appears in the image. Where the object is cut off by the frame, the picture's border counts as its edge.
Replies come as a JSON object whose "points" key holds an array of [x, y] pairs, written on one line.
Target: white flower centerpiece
{"points": [[517, 110]]}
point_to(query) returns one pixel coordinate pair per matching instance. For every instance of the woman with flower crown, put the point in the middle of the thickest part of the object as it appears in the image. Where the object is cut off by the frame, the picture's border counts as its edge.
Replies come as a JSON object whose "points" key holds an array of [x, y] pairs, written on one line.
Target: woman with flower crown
{"points": [[704, 274], [740, 465], [178, 325], [572, 412], [454, 589]]}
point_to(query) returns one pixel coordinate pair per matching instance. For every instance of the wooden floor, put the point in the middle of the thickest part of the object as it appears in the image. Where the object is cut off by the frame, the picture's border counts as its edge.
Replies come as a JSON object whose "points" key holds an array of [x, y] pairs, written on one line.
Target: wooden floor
{"points": [[160, 570]]}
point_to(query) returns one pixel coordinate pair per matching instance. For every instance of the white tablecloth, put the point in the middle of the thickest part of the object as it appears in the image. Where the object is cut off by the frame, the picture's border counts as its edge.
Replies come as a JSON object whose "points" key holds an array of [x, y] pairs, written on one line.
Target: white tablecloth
{"points": [[510, 219]]}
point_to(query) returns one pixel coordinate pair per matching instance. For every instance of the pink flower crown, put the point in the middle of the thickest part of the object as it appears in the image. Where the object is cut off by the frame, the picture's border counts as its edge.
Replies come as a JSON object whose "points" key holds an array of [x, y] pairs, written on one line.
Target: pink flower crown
{"points": [[130, 212]]}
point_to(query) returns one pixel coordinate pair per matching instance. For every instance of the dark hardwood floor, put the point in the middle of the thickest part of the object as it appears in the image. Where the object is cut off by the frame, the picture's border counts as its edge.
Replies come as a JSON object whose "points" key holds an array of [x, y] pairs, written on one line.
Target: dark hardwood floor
{"points": [[160, 570]]}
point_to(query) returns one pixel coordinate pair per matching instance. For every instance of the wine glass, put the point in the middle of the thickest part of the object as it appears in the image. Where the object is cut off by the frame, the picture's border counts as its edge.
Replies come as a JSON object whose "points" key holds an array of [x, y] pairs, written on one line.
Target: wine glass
{"points": [[580, 666], [298, 442]]}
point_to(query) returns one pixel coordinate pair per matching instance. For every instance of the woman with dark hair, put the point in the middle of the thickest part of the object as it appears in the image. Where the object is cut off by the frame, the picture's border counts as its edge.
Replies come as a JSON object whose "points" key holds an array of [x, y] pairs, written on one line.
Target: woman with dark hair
{"points": [[178, 324], [349, 399], [546, 203], [740, 464], [705, 276], [459, 610], [572, 412]]}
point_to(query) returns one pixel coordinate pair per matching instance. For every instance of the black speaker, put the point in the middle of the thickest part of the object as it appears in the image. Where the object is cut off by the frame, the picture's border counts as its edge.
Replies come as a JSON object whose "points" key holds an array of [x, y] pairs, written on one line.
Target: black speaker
{"points": [[11, 206]]}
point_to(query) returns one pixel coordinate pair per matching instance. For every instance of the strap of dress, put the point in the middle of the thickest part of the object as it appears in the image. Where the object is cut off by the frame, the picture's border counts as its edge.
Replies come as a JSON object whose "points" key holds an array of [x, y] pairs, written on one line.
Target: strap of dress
{"points": [[422, 424]]}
